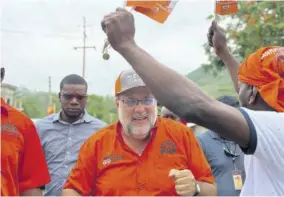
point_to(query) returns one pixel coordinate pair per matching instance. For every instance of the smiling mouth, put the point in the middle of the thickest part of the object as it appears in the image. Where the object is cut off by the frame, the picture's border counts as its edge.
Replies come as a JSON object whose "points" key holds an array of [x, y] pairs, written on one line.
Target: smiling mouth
{"points": [[140, 118]]}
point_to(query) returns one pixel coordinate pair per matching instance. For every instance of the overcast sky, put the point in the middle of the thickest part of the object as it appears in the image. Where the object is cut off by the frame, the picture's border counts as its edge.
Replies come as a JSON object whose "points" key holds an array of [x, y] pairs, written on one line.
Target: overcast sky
{"points": [[38, 39]]}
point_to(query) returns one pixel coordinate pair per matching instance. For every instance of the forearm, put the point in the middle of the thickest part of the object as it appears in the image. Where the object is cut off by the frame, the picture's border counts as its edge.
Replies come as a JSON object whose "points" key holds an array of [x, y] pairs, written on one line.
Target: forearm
{"points": [[207, 189], [69, 192], [32, 192], [179, 94], [232, 65]]}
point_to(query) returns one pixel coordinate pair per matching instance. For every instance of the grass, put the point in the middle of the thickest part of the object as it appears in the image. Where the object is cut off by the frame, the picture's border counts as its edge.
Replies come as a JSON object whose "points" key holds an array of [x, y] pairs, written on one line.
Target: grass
{"points": [[215, 86]]}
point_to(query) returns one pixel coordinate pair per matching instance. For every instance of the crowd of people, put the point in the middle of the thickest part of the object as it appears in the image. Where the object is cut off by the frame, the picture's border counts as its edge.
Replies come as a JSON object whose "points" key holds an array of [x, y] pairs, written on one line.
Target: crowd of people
{"points": [[71, 153]]}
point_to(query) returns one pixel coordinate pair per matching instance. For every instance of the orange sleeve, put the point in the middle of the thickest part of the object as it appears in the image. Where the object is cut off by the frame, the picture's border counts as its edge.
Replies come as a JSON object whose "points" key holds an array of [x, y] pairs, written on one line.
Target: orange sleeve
{"points": [[33, 170], [197, 162], [82, 177]]}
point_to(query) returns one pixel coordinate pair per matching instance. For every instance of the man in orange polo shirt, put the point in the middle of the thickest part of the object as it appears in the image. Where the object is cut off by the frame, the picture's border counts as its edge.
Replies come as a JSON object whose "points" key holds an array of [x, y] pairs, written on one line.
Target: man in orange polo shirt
{"points": [[141, 154], [23, 166]]}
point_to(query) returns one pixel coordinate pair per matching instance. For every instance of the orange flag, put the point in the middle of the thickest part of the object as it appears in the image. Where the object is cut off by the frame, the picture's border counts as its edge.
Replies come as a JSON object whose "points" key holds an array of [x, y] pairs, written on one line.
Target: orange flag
{"points": [[144, 4], [147, 4], [156, 10], [226, 7]]}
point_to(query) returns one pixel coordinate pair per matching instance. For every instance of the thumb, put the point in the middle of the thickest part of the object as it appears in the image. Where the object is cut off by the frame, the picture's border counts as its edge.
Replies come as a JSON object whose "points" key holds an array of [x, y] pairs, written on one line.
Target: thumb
{"points": [[214, 25], [173, 173]]}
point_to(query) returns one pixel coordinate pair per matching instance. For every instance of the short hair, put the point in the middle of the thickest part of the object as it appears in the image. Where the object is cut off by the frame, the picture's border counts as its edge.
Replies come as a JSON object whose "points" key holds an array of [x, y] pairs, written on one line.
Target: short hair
{"points": [[73, 79], [229, 100]]}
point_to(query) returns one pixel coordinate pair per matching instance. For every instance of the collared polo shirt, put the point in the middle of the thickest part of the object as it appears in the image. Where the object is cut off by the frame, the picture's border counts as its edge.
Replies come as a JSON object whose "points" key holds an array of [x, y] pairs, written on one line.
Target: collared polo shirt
{"points": [[222, 165], [61, 142], [23, 164], [108, 167]]}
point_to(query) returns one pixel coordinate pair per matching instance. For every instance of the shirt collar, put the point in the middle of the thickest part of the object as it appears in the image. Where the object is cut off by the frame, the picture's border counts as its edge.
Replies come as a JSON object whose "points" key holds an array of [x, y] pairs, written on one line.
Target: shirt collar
{"points": [[86, 117], [214, 135], [4, 110]]}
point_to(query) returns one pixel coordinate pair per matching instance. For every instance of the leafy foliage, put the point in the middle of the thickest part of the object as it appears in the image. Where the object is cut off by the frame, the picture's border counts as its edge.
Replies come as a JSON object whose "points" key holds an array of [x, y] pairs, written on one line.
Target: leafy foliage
{"points": [[214, 85], [257, 23], [35, 105]]}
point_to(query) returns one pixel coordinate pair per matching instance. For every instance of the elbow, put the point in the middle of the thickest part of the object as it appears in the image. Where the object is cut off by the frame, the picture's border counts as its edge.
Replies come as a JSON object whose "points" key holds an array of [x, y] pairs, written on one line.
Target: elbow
{"points": [[198, 112]]}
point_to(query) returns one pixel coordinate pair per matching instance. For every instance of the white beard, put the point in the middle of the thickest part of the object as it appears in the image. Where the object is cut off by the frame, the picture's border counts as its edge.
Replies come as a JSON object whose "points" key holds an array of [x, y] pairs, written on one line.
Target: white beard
{"points": [[137, 131]]}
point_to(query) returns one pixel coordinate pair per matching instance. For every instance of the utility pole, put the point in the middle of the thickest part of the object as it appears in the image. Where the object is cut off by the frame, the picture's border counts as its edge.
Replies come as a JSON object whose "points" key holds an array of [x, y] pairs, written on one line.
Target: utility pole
{"points": [[49, 92], [84, 47]]}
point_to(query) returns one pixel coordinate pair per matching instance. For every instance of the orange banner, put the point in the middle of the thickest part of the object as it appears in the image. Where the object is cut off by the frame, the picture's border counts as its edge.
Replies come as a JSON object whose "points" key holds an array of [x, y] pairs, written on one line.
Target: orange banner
{"points": [[159, 12], [226, 7]]}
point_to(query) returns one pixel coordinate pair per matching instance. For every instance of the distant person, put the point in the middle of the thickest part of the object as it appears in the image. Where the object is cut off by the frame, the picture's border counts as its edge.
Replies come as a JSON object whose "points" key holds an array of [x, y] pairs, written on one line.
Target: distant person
{"points": [[23, 166], [141, 154], [63, 133], [165, 113], [225, 157]]}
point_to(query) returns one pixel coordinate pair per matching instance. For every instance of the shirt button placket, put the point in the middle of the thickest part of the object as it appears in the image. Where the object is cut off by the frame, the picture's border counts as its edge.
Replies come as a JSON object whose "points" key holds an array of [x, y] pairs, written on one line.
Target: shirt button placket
{"points": [[68, 148], [141, 177]]}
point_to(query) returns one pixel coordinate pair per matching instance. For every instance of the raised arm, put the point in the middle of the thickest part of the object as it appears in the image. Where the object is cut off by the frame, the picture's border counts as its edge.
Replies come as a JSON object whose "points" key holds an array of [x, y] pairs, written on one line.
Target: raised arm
{"points": [[217, 39], [181, 95]]}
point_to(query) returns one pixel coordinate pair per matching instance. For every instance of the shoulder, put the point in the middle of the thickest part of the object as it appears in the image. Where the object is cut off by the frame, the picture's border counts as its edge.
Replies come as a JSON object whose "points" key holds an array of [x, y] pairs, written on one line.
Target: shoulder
{"points": [[174, 129], [263, 121], [172, 124], [204, 136], [258, 116], [21, 121], [264, 126], [97, 122], [45, 122]]}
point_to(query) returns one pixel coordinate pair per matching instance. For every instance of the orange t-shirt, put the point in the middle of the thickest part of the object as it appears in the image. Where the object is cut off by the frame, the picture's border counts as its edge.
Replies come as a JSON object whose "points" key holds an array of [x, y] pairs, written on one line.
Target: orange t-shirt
{"points": [[108, 167], [23, 164]]}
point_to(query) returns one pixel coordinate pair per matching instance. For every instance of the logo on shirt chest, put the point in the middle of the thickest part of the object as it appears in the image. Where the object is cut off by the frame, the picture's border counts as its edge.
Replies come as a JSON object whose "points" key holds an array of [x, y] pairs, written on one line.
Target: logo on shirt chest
{"points": [[9, 129], [111, 158], [168, 147]]}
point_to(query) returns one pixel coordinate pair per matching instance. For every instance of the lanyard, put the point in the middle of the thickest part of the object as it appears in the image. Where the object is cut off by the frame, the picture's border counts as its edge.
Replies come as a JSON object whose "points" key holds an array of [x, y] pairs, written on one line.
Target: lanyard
{"points": [[230, 153]]}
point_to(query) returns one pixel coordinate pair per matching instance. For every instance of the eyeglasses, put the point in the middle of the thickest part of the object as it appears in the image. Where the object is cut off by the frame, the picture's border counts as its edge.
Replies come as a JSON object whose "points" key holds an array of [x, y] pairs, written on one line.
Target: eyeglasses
{"points": [[69, 97], [148, 101]]}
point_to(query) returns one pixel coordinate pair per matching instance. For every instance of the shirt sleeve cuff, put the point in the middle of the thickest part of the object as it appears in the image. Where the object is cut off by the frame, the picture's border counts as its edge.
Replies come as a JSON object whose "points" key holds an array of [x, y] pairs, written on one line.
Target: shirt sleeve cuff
{"points": [[250, 150]]}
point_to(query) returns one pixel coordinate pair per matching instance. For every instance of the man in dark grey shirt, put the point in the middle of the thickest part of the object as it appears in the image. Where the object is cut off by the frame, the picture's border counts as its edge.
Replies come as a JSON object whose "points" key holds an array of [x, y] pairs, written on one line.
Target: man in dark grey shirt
{"points": [[225, 157]]}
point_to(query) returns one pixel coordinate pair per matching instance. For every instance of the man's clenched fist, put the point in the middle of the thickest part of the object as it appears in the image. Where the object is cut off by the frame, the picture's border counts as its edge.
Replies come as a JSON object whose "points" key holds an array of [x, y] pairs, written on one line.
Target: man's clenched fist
{"points": [[217, 38], [185, 182], [119, 28]]}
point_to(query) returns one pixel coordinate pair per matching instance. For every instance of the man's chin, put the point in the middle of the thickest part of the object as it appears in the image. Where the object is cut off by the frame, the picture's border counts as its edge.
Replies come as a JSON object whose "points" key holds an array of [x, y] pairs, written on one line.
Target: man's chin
{"points": [[142, 137], [73, 115]]}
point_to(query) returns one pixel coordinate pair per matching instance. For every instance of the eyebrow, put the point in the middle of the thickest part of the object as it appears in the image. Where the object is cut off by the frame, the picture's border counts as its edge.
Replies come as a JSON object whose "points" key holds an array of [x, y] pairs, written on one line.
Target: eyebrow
{"points": [[131, 97], [78, 93]]}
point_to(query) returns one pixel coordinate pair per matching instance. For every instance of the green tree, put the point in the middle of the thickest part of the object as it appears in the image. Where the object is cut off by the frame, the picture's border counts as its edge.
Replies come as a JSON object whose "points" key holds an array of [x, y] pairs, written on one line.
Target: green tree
{"points": [[257, 23], [35, 105]]}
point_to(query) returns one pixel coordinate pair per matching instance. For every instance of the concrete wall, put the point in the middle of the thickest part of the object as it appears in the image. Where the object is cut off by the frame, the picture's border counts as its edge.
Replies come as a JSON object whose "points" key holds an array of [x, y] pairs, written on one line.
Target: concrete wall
{"points": [[8, 94]]}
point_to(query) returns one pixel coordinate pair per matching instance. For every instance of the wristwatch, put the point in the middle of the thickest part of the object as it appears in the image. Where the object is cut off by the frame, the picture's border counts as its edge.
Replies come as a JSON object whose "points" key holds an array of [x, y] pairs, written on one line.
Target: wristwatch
{"points": [[197, 189]]}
